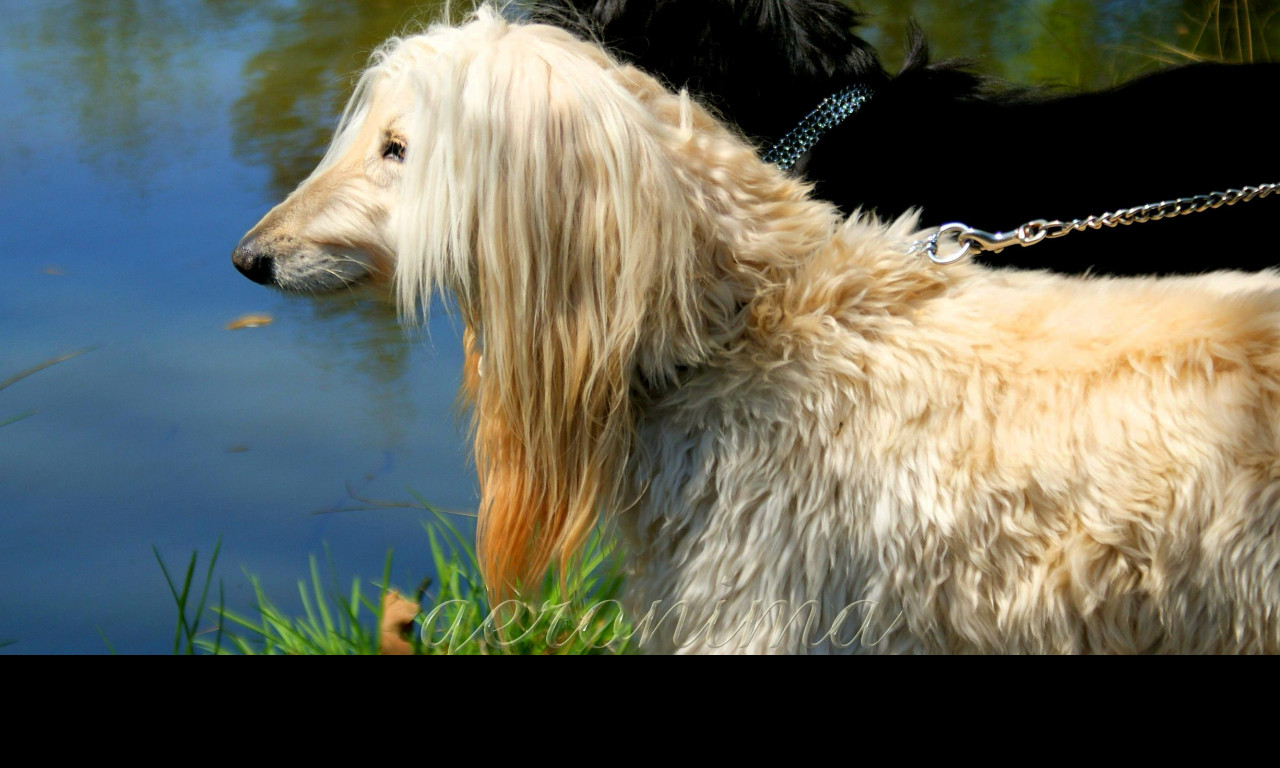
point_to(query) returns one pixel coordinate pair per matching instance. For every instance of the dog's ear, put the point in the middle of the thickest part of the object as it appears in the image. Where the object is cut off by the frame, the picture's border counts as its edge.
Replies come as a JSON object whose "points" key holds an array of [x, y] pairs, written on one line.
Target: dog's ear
{"points": [[543, 198]]}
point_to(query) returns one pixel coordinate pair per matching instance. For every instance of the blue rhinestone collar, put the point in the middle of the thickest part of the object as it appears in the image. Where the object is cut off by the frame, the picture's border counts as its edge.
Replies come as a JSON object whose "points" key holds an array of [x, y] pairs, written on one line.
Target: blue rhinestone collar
{"points": [[831, 112]]}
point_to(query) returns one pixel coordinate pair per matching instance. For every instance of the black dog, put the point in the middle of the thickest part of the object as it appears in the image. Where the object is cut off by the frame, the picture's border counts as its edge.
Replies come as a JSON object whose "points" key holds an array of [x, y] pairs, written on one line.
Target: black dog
{"points": [[941, 138]]}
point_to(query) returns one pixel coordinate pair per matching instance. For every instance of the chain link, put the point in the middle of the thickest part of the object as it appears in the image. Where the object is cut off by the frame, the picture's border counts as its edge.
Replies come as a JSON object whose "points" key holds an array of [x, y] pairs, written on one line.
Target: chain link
{"points": [[974, 241]]}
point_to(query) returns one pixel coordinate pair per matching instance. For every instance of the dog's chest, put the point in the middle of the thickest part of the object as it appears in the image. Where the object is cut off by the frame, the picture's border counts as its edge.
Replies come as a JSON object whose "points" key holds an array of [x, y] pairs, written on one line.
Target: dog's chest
{"points": [[747, 506]]}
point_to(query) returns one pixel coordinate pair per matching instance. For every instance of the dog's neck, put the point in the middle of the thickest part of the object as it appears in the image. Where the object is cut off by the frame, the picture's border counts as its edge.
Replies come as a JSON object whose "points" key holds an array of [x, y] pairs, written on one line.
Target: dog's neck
{"points": [[763, 239]]}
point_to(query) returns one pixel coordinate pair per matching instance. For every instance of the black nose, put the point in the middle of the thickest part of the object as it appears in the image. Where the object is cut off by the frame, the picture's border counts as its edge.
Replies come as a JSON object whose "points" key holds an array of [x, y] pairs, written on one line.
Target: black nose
{"points": [[254, 263]]}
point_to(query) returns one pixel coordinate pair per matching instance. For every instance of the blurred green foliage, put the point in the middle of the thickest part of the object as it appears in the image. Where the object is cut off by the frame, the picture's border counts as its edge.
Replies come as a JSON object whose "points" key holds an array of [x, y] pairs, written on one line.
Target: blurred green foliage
{"points": [[1078, 43], [134, 67]]}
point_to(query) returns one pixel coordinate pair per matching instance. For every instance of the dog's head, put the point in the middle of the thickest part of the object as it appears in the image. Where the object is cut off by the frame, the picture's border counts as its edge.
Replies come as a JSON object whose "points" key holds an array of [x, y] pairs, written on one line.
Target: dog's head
{"points": [[594, 228], [334, 231]]}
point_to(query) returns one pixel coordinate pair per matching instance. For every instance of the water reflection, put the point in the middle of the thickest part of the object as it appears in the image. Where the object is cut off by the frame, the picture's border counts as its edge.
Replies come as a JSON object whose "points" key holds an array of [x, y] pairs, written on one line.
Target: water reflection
{"points": [[133, 67], [296, 87], [132, 70]]}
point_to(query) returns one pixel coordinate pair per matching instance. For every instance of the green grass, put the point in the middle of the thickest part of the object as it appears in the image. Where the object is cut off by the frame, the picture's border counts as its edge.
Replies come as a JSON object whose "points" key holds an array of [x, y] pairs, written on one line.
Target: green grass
{"points": [[578, 616], [334, 623], [184, 639]]}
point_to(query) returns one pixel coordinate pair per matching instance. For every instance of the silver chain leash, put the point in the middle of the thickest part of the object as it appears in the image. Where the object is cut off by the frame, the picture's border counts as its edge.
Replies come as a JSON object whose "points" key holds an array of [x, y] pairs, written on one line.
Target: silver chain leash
{"points": [[974, 241]]}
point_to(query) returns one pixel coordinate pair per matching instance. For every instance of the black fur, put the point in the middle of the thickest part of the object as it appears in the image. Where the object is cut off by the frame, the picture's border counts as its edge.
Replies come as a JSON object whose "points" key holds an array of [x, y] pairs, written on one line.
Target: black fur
{"points": [[963, 148], [760, 62]]}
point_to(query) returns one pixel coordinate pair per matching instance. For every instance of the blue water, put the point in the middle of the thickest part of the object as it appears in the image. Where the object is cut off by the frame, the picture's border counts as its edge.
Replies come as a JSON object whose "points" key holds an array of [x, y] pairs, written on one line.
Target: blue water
{"points": [[140, 139], [173, 431]]}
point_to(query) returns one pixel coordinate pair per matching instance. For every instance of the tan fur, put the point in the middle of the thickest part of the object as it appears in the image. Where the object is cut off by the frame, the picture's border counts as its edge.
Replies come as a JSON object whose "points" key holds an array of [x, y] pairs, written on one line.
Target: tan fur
{"points": [[777, 405]]}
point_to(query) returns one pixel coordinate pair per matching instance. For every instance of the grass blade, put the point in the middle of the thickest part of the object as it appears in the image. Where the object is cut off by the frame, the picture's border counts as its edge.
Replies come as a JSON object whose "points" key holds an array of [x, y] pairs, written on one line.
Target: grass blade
{"points": [[15, 419], [19, 376]]}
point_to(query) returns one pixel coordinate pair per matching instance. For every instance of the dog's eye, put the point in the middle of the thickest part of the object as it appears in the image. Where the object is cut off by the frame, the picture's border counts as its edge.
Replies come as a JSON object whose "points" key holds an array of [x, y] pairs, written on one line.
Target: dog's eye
{"points": [[393, 150]]}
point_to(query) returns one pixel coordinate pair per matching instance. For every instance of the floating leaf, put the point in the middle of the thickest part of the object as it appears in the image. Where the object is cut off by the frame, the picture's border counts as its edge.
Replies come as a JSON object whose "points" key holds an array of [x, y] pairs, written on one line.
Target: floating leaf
{"points": [[251, 320]]}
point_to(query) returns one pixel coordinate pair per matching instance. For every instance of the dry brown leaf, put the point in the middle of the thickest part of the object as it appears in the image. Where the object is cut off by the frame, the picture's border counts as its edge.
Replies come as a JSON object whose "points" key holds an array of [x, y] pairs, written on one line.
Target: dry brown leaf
{"points": [[398, 614]]}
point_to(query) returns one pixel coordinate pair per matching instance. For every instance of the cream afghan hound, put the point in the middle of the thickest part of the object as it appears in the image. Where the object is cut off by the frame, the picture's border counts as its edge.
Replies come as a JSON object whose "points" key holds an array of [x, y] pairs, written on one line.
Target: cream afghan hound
{"points": [[810, 438]]}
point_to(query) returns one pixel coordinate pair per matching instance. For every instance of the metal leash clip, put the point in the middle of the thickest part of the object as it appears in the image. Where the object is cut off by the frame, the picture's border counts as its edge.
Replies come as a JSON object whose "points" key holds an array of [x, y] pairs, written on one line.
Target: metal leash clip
{"points": [[973, 240]]}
